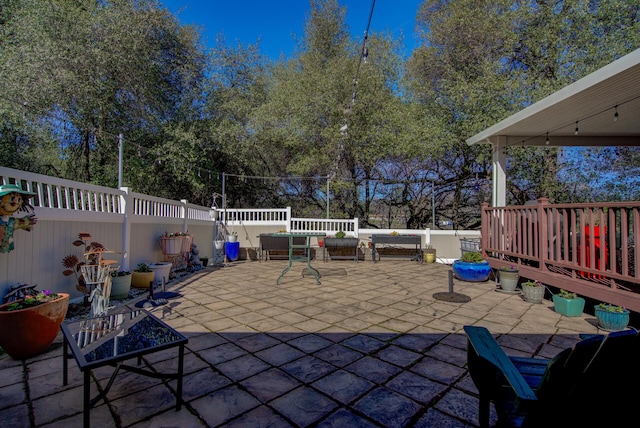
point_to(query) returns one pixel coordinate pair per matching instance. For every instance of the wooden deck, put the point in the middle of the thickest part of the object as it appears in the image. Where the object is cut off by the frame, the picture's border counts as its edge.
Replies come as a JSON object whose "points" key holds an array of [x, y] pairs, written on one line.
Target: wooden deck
{"points": [[590, 249]]}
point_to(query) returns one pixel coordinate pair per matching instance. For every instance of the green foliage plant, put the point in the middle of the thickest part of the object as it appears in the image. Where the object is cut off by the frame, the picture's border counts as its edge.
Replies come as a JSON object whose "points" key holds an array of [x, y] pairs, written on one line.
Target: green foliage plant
{"points": [[611, 308], [567, 294], [340, 234], [143, 267], [472, 257], [30, 301], [532, 283]]}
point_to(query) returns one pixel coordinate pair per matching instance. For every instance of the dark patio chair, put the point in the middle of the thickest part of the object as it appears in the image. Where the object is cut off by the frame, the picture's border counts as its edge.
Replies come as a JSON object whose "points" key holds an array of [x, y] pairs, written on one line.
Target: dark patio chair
{"points": [[586, 385]]}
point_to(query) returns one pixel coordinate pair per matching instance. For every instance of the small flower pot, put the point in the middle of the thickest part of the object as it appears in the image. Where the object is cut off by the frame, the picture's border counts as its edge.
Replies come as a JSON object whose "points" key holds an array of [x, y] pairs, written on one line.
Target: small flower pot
{"points": [[611, 321], [533, 294], [141, 279], [568, 307], [509, 279], [120, 286], [430, 255]]}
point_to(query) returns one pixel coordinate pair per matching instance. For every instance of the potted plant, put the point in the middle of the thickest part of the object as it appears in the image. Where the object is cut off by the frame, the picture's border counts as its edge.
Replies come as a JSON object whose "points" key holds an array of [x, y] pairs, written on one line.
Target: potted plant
{"points": [[172, 243], [429, 253], [120, 284], [568, 303], [161, 270], [142, 276], [509, 277], [31, 321], [472, 267], [533, 291], [611, 317]]}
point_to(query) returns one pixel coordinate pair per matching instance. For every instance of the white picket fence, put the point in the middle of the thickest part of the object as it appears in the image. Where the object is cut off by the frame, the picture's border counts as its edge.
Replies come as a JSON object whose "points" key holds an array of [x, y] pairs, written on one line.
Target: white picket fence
{"points": [[131, 224]]}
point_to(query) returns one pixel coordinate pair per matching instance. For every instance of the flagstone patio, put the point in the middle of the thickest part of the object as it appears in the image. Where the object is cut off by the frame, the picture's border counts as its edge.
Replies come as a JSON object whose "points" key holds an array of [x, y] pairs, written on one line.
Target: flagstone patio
{"points": [[370, 346]]}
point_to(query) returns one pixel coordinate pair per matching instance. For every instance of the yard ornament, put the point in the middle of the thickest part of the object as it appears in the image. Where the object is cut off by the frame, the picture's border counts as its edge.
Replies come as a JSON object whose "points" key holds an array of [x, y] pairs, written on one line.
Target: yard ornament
{"points": [[13, 200]]}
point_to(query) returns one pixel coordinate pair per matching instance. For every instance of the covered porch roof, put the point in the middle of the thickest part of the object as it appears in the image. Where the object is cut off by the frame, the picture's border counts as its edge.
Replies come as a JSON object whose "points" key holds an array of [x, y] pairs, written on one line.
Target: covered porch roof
{"points": [[589, 104]]}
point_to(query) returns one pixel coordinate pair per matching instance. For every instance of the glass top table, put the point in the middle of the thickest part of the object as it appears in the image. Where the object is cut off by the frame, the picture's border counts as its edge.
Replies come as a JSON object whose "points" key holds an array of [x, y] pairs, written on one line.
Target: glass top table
{"points": [[114, 338]]}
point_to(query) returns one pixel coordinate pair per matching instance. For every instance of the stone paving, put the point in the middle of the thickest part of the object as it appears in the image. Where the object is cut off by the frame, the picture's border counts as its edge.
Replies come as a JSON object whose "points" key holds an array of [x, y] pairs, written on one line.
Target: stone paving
{"points": [[369, 347]]}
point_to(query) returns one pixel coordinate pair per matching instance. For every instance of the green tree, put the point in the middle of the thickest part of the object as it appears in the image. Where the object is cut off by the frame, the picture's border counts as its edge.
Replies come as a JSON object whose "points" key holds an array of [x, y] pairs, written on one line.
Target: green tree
{"points": [[98, 69]]}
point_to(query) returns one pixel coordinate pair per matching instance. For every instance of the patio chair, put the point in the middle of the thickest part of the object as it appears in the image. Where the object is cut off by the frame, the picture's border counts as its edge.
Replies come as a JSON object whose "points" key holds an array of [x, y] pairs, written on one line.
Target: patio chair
{"points": [[581, 386]]}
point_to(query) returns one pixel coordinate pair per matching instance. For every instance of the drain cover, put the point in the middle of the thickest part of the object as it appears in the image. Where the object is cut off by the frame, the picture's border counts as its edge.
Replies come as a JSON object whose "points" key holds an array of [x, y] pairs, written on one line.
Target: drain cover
{"points": [[452, 297]]}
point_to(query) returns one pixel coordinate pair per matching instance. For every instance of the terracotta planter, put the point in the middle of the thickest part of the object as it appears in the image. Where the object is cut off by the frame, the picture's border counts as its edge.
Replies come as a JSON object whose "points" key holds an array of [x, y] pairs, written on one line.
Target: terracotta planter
{"points": [[141, 279], [172, 244], [28, 332]]}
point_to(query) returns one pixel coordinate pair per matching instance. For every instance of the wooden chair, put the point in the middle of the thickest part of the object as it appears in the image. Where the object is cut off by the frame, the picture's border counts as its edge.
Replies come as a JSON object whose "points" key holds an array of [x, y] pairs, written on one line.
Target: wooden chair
{"points": [[586, 385]]}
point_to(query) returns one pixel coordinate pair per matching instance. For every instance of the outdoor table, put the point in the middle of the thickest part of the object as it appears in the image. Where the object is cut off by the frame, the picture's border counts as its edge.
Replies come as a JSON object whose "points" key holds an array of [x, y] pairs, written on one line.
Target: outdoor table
{"points": [[306, 246], [111, 339]]}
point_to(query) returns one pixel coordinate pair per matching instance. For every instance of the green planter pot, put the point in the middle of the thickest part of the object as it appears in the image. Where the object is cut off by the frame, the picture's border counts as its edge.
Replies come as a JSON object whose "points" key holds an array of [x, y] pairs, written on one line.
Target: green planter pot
{"points": [[120, 286], [611, 321], [568, 307]]}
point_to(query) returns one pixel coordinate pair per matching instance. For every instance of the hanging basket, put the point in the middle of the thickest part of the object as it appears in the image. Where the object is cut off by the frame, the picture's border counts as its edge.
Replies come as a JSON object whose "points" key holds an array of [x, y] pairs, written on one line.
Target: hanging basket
{"points": [[171, 245]]}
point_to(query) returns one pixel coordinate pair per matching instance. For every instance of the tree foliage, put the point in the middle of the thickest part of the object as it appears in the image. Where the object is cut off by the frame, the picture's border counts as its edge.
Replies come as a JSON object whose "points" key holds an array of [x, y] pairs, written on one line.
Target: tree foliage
{"points": [[347, 123]]}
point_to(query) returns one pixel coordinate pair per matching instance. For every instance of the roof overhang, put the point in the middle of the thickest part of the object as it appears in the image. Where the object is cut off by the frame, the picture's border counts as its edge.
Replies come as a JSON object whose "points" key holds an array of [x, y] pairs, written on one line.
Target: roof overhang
{"points": [[589, 104]]}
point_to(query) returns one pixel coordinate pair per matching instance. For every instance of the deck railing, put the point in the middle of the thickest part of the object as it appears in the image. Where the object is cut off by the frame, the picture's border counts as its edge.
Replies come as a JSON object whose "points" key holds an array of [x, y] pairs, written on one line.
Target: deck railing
{"points": [[591, 249]]}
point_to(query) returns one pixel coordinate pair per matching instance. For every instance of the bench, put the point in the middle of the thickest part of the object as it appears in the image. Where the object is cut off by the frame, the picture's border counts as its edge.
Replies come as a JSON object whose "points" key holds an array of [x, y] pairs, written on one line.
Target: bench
{"points": [[414, 240], [580, 386]]}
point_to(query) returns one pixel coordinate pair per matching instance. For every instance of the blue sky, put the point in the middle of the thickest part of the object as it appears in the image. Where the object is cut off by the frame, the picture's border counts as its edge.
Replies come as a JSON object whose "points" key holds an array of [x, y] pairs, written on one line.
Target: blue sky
{"points": [[276, 21]]}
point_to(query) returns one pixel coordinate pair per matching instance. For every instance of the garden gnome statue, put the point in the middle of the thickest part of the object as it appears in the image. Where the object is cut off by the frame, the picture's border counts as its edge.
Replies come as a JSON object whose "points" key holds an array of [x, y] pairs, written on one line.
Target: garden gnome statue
{"points": [[12, 200]]}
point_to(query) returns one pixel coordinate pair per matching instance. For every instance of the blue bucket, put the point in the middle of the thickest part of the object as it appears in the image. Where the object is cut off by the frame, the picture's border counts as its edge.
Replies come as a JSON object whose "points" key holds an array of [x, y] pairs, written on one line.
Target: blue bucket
{"points": [[232, 250]]}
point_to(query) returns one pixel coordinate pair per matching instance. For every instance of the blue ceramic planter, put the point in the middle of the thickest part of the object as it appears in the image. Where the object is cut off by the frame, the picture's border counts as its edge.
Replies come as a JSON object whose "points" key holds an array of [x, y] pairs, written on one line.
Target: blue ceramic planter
{"points": [[611, 321], [472, 272]]}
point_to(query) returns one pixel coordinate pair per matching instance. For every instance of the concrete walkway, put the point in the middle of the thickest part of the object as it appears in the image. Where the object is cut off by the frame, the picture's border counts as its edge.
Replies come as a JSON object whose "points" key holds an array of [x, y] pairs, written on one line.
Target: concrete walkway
{"points": [[370, 346]]}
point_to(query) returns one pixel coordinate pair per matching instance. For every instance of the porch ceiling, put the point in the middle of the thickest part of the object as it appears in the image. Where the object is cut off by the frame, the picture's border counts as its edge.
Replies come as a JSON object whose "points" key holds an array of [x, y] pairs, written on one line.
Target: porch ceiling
{"points": [[590, 101]]}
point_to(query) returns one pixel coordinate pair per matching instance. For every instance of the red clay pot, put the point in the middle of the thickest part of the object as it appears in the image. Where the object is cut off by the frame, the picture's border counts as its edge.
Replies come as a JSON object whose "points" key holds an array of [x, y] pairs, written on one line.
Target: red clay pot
{"points": [[28, 332]]}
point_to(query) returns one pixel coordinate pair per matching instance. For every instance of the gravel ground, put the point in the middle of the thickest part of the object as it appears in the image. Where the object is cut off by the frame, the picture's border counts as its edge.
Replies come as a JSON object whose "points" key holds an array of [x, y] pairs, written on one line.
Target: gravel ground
{"points": [[80, 310]]}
